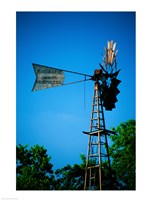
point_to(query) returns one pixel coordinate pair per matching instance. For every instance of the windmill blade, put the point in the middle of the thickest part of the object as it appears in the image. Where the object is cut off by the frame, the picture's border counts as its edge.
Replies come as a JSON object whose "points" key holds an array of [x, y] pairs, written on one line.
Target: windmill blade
{"points": [[115, 74], [48, 77], [114, 46], [102, 68]]}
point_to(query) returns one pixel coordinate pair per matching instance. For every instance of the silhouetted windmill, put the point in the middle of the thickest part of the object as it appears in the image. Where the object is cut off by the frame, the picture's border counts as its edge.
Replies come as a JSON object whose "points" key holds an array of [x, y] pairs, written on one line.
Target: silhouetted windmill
{"points": [[105, 92]]}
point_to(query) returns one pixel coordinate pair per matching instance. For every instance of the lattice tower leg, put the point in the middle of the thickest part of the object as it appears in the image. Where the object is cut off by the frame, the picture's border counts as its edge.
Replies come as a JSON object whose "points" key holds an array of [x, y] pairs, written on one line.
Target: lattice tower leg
{"points": [[97, 145]]}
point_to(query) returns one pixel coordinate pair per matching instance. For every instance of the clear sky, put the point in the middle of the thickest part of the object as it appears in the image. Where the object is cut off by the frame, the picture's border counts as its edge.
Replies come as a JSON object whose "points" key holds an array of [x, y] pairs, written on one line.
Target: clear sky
{"points": [[56, 117]]}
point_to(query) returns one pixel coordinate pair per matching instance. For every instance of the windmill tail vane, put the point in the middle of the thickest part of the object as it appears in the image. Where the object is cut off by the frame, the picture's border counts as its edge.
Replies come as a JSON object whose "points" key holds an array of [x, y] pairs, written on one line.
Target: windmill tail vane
{"points": [[49, 77]]}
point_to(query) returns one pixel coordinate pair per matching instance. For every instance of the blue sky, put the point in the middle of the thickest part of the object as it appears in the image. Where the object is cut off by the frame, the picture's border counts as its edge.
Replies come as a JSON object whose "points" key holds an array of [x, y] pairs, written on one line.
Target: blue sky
{"points": [[56, 117]]}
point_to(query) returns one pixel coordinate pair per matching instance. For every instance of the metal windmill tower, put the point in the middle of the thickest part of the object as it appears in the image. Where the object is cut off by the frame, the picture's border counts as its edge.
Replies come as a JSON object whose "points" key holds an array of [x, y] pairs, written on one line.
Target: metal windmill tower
{"points": [[105, 92]]}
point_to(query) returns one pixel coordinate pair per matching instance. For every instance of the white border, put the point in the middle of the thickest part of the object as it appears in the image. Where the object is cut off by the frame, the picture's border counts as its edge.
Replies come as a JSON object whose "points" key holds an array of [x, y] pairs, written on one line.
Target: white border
{"points": [[8, 91]]}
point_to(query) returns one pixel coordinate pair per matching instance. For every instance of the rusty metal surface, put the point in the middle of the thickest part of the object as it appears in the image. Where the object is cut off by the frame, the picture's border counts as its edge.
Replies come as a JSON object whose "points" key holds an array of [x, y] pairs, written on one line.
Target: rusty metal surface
{"points": [[47, 77], [110, 53]]}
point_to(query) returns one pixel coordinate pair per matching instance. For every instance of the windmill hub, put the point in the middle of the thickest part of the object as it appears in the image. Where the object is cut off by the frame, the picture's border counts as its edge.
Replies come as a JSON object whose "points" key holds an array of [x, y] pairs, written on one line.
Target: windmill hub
{"points": [[97, 75]]}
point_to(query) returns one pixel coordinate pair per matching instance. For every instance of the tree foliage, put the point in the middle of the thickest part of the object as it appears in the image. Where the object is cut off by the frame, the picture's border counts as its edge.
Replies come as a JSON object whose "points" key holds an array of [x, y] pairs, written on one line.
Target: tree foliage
{"points": [[34, 170], [71, 177], [122, 152]]}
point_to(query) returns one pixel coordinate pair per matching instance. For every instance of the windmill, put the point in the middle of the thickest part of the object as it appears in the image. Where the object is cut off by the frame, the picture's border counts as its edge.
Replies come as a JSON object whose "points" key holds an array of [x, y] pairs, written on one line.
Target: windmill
{"points": [[105, 92]]}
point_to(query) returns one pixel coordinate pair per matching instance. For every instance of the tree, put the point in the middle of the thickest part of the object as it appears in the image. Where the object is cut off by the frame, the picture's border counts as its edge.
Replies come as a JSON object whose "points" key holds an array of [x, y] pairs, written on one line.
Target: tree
{"points": [[34, 170], [122, 152], [71, 177]]}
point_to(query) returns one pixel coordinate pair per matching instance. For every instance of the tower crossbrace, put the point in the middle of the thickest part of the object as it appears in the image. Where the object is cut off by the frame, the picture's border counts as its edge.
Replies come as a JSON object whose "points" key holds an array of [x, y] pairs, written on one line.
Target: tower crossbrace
{"points": [[97, 154]]}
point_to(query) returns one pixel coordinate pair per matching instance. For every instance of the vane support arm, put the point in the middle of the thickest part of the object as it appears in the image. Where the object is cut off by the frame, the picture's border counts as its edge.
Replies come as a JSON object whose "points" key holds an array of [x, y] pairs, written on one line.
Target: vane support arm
{"points": [[78, 73], [48, 77]]}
